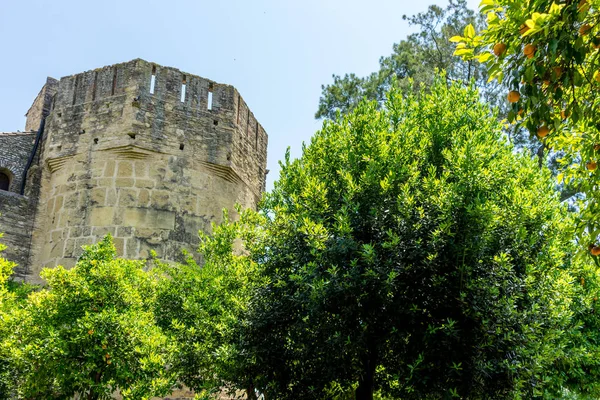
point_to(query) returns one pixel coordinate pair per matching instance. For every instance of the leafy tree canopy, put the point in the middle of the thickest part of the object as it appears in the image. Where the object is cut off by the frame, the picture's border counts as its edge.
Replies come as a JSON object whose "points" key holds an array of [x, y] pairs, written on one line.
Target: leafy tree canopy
{"points": [[410, 250], [546, 54], [91, 333], [201, 308]]}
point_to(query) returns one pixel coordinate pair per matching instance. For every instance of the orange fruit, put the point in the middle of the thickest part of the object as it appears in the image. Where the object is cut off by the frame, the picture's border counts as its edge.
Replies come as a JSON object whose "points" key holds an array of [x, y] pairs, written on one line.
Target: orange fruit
{"points": [[523, 28], [499, 49], [543, 131], [595, 250], [520, 112], [90, 332], [529, 50], [513, 96], [557, 72], [591, 165], [564, 114], [597, 76], [584, 29]]}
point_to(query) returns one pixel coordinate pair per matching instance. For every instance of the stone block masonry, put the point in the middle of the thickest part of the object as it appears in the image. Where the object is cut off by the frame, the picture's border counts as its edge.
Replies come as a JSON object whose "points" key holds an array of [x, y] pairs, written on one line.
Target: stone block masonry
{"points": [[147, 153]]}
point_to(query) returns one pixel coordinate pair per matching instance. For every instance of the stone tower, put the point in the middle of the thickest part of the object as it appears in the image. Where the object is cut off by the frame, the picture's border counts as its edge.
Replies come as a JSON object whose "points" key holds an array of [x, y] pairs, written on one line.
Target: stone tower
{"points": [[146, 153]]}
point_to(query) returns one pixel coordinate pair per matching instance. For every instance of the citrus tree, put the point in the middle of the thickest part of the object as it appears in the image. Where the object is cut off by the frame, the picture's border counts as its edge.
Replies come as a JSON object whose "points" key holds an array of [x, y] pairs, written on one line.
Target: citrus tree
{"points": [[546, 54], [202, 308], [410, 251], [90, 333], [7, 302]]}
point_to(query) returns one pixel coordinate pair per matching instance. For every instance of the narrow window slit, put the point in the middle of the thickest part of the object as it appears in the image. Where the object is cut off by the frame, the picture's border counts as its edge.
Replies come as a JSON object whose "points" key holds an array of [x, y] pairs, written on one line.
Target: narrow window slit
{"points": [[95, 86], [96, 141], [181, 146], [153, 79], [256, 139], [248, 122], [215, 122], [131, 135], [114, 82], [183, 86], [75, 89], [210, 98]]}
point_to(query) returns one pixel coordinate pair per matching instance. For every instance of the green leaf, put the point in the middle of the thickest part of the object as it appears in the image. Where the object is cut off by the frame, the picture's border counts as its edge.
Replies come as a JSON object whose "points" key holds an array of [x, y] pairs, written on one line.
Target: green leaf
{"points": [[469, 31]]}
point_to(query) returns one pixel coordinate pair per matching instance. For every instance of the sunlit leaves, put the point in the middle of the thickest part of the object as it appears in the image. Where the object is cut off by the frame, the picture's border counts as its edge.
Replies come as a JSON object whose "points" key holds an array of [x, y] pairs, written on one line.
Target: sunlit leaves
{"points": [[410, 239], [90, 333], [558, 82]]}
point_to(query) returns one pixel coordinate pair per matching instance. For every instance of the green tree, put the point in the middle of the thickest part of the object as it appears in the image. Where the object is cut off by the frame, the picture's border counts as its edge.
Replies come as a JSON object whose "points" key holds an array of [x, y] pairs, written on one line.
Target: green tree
{"points": [[411, 251], [91, 333], [201, 308], [7, 302], [413, 64], [546, 55]]}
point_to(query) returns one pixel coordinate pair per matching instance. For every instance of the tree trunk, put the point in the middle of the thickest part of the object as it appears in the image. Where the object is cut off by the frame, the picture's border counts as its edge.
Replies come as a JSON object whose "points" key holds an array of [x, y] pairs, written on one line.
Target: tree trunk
{"points": [[540, 155], [364, 391], [251, 392], [92, 395]]}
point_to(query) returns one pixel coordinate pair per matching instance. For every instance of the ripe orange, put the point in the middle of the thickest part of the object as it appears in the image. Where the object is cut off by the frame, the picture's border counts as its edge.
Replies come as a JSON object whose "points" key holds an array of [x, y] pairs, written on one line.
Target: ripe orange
{"points": [[584, 29], [597, 76], [591, 165], [523, 28], [499, 49], [557, 72], [595, 250], [513, 96], [543, 131], [564, 114], [529, 50]]}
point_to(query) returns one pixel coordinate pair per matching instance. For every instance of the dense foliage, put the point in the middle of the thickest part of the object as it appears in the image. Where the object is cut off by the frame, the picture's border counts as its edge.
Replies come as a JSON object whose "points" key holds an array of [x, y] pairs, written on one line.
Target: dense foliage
{"points": [[201, 308], [89, 334], [410, 250], [546, 54]]}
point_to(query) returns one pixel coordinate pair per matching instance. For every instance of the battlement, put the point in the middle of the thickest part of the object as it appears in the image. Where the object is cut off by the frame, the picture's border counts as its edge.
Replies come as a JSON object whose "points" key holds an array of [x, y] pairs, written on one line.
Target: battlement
{"points": [[166, 110]]}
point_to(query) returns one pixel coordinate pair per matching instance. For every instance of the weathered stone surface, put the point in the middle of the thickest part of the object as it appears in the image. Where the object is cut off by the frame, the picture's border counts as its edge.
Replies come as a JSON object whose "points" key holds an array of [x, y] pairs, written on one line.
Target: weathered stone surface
{"points": [[149, 168]]}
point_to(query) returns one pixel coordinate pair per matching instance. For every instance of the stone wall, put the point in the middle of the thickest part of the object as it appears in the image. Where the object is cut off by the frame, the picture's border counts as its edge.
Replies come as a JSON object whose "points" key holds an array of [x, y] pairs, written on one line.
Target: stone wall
{"points": [[41, 105], [150, 167], [15, 149], [16, 220]]}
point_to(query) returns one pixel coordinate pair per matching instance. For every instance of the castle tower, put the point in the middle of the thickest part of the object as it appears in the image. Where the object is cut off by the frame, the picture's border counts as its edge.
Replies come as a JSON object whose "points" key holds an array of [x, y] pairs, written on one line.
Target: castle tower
{"points": [[146, 153]]}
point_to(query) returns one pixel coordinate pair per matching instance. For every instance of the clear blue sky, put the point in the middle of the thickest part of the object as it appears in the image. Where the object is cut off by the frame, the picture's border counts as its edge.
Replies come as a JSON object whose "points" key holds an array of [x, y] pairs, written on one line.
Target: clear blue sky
{"points": [[276, 52]]}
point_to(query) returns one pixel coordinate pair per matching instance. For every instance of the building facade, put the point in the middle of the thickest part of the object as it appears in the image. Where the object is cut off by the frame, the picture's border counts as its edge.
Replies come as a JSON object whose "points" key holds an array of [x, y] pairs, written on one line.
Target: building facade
{"points": [[146, 153]]}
